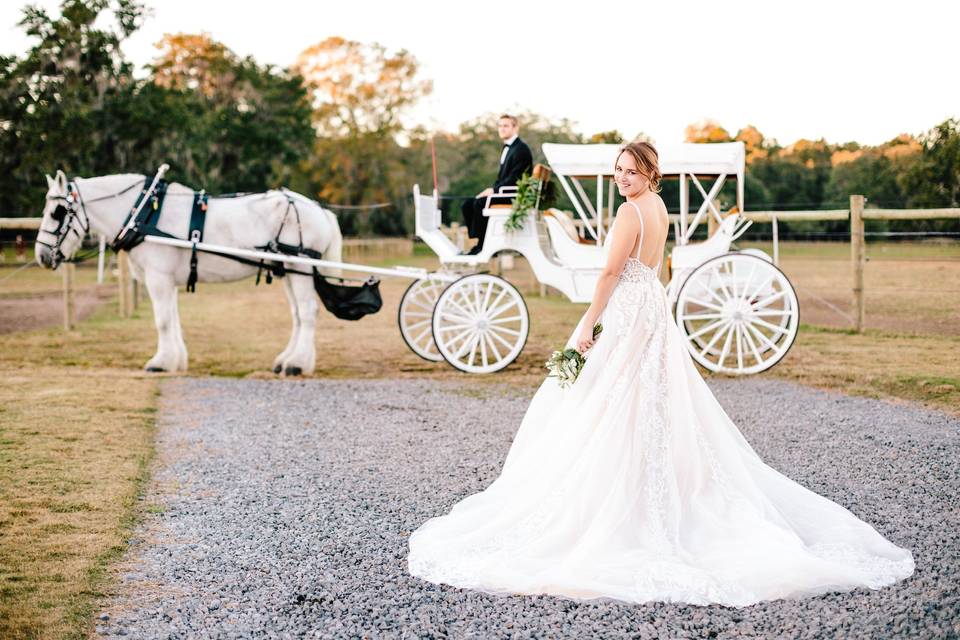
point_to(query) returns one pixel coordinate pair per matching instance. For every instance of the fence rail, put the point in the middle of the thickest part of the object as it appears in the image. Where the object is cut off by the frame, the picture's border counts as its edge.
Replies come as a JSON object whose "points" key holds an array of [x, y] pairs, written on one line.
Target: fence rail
{"points": [[24, 224], [361, 247]]}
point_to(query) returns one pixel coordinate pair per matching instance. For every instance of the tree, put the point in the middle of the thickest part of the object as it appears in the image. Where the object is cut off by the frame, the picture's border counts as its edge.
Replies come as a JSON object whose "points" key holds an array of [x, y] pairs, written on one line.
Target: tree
{"points": [[72, 102], [706, 131], [606, 137], [756, 145], [193, 62], [52, 100], [360, 95], [248, 123], [872, 172], [934, 180], [359, 88]]}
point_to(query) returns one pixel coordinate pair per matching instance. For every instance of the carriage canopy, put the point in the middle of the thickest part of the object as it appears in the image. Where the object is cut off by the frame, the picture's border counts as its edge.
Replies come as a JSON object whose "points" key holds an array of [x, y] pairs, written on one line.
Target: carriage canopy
{"points": [[686, 161], [597, 159]]}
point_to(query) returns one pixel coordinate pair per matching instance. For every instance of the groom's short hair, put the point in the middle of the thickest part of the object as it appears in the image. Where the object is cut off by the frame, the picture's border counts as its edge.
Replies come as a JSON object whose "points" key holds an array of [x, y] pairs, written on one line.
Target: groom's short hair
{"points": [[509, 117]]}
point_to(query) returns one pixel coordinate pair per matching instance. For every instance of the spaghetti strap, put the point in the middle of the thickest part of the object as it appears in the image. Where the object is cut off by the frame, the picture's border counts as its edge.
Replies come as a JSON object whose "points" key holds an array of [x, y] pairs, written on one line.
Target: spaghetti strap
{"points": [[640, 240]]}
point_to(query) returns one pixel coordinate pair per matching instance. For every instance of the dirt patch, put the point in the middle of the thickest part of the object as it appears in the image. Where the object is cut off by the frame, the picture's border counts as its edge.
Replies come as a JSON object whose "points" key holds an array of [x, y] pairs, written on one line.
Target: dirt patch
{"points": [[22, 312]]}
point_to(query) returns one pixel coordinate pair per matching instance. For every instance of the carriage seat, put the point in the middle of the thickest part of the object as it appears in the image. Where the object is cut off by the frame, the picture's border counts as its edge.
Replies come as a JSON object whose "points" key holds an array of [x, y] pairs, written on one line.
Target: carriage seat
{"points": [[690, 256], [570, 248], [496, 200], [558, 219], [540, 172]]}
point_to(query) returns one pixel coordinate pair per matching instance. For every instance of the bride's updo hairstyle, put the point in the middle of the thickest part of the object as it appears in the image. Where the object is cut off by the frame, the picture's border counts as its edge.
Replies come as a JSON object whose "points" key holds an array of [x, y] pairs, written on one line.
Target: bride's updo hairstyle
{"points": [[648, 161]]}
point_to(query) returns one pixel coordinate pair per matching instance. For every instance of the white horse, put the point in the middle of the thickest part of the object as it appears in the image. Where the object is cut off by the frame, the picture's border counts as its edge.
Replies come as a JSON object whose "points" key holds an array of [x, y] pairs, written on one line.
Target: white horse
{"points": [[102, 204]]}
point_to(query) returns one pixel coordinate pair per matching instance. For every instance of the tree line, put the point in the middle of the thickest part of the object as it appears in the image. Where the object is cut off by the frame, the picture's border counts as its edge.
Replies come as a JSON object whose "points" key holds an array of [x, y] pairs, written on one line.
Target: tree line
{"points": [[332, 126]]}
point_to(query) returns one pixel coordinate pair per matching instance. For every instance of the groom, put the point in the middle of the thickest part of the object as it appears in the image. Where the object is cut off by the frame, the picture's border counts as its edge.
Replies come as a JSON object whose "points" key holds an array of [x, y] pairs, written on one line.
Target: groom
{"points": [[515, 160]]}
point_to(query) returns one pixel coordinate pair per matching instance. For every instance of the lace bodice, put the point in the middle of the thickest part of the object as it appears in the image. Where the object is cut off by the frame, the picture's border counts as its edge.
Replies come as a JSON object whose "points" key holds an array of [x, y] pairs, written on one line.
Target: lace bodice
{"points": [[633, 269], [636, 271]]}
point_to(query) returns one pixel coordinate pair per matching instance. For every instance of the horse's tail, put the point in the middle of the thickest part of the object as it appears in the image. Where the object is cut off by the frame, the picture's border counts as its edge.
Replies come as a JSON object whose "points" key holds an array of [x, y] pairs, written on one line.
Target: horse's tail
{"points": [[334, 250]]}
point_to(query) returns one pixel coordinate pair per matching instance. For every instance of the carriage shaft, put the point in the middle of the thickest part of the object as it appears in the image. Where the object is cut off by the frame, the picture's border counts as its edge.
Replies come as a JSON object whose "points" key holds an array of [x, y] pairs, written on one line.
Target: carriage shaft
{"points": [[414, 273]]}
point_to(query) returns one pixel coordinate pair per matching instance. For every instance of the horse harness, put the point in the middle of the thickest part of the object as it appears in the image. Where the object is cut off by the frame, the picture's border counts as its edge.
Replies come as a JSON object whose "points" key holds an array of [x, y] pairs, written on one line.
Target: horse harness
{"points": [[144, 217], [345, 302]]}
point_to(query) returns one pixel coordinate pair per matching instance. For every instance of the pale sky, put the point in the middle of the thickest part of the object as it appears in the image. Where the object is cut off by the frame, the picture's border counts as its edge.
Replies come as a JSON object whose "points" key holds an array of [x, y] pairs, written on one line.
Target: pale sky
{"points": [[840, 69]]}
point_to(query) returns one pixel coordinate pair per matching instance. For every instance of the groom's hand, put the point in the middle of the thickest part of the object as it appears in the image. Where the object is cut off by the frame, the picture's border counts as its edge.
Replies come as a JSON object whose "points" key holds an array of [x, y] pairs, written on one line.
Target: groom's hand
{"points": [[486, 192]]}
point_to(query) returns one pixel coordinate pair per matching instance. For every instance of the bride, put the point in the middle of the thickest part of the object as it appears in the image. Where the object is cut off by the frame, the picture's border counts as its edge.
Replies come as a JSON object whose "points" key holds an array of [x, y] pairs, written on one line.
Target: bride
{"points": [[633, 484]]}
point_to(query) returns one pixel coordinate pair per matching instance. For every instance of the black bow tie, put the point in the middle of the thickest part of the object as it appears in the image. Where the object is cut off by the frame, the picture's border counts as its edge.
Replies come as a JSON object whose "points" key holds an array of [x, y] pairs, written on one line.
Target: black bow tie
{"points": [[506, 146]]}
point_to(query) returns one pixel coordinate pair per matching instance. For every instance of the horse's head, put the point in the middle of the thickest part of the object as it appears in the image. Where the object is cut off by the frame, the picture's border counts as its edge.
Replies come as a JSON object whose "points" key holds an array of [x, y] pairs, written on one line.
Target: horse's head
{"points": [[64, 223]]}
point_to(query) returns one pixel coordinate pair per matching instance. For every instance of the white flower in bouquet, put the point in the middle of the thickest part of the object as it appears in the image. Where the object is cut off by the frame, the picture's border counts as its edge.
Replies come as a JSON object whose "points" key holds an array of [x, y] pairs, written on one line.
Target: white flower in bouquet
{"points": [[566, 365]]}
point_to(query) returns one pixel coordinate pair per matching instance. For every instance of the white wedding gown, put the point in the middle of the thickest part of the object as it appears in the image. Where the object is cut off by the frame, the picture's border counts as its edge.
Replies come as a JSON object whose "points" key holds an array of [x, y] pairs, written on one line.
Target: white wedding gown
{"points": [[634, 485]]}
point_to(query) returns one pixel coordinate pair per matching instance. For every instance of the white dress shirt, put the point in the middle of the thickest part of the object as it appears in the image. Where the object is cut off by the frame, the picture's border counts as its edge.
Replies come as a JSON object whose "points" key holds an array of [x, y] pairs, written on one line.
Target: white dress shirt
{"points": [[506, 148]]}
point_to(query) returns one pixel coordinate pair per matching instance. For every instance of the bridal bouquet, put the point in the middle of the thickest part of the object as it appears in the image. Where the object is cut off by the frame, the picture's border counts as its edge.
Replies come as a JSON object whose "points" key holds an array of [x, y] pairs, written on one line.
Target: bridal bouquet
{"points": [[566, 365]]}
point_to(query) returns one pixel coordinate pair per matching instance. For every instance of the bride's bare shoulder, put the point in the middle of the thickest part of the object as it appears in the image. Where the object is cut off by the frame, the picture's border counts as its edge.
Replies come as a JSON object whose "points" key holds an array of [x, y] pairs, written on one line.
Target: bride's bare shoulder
{"points": [[651, 206]]}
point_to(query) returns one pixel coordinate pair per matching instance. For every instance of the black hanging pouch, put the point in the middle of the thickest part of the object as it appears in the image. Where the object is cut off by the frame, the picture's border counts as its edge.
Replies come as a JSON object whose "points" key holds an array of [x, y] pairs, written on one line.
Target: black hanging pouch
{"points": [[345, 301]]}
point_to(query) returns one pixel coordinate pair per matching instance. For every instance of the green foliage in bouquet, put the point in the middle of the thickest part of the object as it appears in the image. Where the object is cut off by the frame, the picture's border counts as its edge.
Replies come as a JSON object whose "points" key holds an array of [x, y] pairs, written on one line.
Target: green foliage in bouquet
{"points": [[528, 188], [566, 365]]}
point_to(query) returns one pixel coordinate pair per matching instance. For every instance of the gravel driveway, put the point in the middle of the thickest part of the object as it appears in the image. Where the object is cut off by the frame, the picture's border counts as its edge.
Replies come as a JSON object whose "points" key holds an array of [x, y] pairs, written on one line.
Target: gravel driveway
{"points": [[282, 509]]}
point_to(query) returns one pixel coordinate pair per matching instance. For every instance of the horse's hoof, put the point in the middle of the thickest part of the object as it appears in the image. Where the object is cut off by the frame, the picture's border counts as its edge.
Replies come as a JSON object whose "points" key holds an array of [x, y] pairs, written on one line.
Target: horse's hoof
{"points": [[155, 369], [293, 371], [278, 368]]}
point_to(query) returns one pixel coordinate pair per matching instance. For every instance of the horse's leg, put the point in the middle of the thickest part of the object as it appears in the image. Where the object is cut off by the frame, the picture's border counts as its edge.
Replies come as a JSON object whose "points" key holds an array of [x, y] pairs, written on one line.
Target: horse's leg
{"points": [[182, 356], [163, 292], [294, 332], [303, 358]]}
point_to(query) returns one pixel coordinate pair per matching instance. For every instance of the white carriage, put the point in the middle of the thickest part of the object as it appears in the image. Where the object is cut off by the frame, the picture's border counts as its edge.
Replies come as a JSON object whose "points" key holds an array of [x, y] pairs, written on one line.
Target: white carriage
{"points": [[738, 311]]}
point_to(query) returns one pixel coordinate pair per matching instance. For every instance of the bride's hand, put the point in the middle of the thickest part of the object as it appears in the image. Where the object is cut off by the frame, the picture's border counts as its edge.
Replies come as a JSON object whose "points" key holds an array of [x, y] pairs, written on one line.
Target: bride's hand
{"points": [[585, 339]]}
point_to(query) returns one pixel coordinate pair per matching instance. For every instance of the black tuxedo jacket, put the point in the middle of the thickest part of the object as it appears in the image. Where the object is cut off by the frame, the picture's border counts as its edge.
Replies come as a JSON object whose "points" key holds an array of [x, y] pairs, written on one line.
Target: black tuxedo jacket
{"points": [[519, 160]]}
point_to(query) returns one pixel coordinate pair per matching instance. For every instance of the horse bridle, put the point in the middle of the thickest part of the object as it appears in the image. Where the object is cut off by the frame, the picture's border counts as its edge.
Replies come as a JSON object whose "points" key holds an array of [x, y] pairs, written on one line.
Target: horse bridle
{"points": [[70, 208]]}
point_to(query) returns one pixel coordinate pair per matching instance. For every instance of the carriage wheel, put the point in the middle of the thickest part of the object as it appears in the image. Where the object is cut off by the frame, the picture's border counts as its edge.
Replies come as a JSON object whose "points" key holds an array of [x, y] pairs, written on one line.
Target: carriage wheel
{"points": [[480, 323], [699, 339], [739, 314], [415, 318]]}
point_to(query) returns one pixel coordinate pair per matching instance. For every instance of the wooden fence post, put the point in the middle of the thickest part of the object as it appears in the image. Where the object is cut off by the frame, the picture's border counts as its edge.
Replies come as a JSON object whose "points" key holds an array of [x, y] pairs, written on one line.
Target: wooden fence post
{"points": [[857, 258], [69, 301], [124, 297]]}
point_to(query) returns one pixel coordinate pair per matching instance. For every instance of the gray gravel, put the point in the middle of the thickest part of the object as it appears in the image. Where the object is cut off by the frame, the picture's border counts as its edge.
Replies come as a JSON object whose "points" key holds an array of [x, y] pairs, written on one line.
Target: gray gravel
{"points": [[282, 509]]}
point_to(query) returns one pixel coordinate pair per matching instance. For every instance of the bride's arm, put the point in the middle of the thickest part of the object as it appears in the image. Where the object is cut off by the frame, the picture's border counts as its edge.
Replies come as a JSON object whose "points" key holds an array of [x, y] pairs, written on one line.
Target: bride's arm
{"points": [[624, 234]]}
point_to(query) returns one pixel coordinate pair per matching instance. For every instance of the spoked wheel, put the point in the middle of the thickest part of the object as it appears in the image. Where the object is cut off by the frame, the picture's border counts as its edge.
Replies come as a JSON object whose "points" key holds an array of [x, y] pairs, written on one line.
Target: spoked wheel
{"points": [[415, 317], [480, 323], [739, 313]]}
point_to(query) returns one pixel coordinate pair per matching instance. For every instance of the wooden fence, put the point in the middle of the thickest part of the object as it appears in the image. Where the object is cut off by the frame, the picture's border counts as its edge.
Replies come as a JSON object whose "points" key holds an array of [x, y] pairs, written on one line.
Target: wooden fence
{"points": [[359, 249], [857, 214]]}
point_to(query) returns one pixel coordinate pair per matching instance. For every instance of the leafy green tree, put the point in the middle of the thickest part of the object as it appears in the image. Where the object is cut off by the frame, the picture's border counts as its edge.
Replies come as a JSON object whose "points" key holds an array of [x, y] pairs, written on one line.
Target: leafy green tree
{"points": [[223, 123], [248, 123], [53, 100], [872, 172], [934, 180], [360, 94]]}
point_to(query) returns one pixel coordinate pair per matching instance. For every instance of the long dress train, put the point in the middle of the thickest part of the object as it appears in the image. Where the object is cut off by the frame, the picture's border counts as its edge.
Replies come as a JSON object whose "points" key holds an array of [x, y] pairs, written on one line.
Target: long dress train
{"points": [[633, 484]]}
